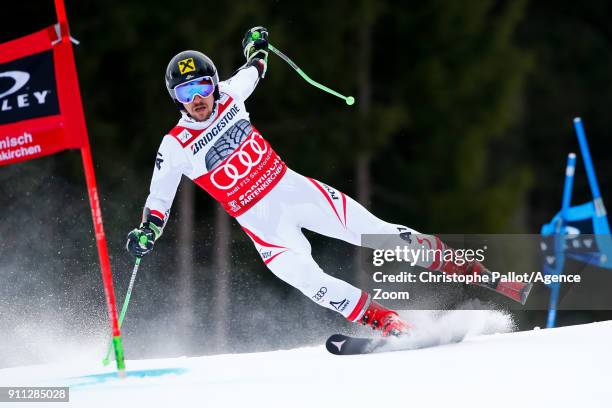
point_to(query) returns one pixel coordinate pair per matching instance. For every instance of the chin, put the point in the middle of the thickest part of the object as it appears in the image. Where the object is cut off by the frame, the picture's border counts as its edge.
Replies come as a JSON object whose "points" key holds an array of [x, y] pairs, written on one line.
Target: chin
{"points": [[201, 116]]}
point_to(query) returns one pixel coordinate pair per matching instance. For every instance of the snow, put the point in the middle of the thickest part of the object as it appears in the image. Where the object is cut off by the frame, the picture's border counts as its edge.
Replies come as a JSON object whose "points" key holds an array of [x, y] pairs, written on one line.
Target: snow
{"points": [[564, 367]]}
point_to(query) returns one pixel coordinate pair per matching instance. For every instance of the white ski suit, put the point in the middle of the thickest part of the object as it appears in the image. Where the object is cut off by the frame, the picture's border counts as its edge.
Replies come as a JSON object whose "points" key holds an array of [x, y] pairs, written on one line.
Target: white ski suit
{"points": [[229, 158]]}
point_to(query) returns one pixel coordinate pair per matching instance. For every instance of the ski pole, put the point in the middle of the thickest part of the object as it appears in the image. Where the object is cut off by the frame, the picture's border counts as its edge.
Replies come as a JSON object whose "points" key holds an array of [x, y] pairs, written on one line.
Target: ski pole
{"points": [[126, 301], [348, 99]]}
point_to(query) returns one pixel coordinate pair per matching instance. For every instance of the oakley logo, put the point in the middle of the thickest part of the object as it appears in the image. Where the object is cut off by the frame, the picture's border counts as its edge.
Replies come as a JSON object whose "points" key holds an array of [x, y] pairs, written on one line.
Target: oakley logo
{"points": [[240, 163], [23, 100], [186, 65], [28, 88], [21, 78]]}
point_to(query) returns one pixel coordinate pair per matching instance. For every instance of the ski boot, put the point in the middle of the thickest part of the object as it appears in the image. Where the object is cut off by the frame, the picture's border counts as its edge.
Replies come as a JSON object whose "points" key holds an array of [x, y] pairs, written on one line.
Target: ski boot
{"points": [[388, 321]]}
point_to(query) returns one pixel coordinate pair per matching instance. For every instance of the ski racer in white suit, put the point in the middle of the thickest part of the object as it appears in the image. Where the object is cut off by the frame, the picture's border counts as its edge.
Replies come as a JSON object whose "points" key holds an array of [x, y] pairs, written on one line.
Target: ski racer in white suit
{"points": [[216, 146]]}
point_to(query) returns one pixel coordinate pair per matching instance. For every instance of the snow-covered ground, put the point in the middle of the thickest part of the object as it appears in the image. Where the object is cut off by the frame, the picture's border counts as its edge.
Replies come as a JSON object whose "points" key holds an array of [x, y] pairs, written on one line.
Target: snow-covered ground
{"points": [[565, 367]]}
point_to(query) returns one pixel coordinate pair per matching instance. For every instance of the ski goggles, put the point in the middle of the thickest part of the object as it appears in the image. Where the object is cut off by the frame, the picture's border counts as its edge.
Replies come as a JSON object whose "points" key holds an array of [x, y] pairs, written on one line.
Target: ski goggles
{"points": [[186, 92]]}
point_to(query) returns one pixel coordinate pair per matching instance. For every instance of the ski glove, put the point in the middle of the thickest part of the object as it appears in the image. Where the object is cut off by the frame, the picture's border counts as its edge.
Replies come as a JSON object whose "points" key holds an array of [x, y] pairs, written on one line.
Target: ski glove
{"points": [[140, 240], [255, 49]]}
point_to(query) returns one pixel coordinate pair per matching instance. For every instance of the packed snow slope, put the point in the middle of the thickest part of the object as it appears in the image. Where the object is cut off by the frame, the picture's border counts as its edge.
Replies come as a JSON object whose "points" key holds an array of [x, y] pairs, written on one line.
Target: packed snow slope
{"points": [[564, 367]]}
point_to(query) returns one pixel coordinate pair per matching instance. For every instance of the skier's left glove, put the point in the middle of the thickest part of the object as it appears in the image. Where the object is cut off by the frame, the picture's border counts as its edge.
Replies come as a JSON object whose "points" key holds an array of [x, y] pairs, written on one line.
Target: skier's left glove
{"points": [[140, 240], [255, 49]]}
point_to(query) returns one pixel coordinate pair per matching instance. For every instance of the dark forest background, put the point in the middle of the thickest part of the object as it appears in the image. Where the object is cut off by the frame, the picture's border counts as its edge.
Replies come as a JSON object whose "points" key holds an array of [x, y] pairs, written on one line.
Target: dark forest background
{"points": [[462, 124]]}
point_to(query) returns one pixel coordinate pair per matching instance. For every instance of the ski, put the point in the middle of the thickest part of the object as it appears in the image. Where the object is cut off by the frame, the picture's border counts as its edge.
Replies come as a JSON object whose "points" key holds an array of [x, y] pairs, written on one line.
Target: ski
{"points": [[342, 345], [517, 291]]}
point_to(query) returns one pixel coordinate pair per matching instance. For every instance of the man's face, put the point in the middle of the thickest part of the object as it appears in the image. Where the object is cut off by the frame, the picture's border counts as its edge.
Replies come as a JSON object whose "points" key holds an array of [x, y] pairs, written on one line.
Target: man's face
{"points": [[201, 108]]}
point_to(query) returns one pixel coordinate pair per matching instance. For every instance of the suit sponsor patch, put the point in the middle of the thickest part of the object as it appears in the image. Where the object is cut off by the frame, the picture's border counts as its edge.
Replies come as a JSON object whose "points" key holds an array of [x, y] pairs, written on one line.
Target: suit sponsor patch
{"points": [[184, 136]]}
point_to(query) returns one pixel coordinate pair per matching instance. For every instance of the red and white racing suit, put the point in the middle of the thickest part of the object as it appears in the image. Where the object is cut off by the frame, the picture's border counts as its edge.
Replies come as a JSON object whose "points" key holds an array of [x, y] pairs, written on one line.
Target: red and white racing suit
{"points": [[230, 159]]}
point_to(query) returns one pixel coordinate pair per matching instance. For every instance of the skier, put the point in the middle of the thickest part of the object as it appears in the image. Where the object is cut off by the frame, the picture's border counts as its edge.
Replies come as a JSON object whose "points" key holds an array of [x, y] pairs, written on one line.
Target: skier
{"points": [[215, 145]]}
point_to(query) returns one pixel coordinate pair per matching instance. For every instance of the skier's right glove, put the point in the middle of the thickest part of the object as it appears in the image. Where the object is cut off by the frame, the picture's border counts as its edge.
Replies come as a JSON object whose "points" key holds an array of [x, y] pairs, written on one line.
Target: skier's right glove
{"points": [[140, 240], [255, 49]]}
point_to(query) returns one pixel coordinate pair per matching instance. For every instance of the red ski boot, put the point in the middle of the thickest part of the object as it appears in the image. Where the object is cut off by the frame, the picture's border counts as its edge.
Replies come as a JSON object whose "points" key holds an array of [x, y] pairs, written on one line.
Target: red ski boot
{"points": [[517, 291], [388, 321]]}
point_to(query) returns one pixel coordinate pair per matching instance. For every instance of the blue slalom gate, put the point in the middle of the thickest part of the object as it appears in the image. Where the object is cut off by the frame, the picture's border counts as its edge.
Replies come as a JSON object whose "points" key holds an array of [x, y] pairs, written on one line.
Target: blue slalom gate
{"points": [[564, 236]]}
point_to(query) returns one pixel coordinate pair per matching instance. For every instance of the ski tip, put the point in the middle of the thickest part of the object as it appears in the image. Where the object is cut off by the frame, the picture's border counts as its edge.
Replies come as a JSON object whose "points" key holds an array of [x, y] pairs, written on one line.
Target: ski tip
{"points": [[525, 293], [335, 343]]}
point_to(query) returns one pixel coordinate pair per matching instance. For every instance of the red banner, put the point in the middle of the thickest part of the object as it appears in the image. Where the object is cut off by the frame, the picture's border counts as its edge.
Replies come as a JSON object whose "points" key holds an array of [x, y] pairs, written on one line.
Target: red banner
{"points": [[41, 113], [40, 103]]}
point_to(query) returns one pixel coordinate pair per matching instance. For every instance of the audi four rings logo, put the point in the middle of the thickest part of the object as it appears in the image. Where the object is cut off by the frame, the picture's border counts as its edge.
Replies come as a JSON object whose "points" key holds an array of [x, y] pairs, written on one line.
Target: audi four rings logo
{"points": [[240, 163], [319, 295]]}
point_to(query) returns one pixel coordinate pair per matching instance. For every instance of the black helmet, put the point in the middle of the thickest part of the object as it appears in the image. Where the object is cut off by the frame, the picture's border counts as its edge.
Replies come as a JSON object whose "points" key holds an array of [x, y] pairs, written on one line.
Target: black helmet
{"points": [[188, 65]]}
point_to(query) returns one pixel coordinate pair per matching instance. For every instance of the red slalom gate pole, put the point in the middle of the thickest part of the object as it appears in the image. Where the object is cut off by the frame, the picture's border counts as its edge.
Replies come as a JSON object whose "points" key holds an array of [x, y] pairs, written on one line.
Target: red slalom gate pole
{"points": [[107, 277], [74, 108]]}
